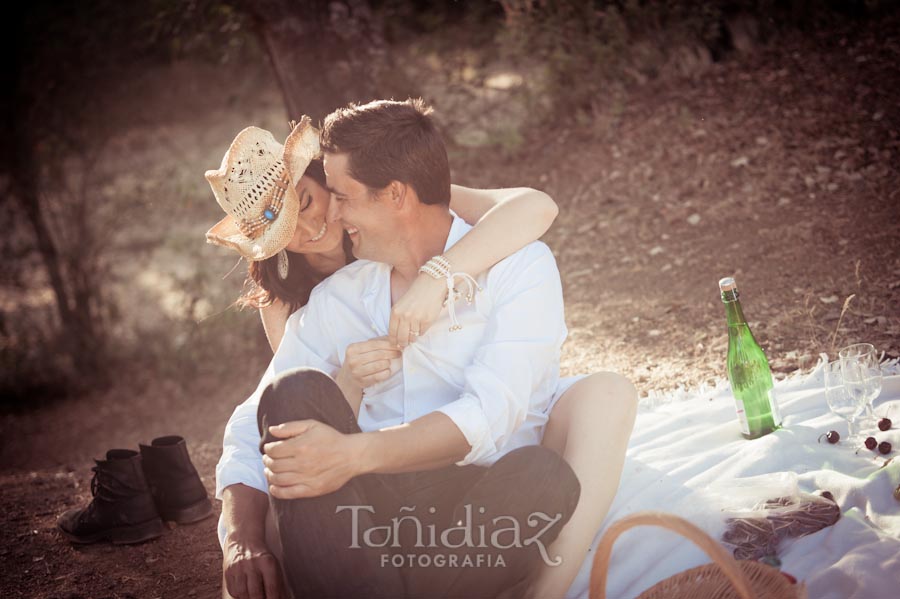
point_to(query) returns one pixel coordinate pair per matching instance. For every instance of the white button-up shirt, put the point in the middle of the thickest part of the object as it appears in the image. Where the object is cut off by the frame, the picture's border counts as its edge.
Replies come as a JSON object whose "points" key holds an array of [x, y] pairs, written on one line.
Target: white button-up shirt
{"points": [[494, 378]]}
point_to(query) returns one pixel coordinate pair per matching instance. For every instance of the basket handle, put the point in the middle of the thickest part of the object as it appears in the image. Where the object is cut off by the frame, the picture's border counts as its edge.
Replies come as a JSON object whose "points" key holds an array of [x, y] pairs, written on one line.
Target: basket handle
{"points": [[673, 523]]}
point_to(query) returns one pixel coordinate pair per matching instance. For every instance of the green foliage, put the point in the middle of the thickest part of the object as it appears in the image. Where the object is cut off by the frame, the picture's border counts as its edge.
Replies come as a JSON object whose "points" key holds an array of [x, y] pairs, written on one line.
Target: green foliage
{"points": [[509, 139], [402, 18], [214, 30], [104, 34], [72, 61], [188, 349], [583, 45], [579, 49]]}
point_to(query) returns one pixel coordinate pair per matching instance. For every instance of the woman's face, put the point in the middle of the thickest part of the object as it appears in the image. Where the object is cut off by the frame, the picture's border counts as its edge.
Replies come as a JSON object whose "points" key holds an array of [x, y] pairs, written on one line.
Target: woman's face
{"points": [[314, 233]]}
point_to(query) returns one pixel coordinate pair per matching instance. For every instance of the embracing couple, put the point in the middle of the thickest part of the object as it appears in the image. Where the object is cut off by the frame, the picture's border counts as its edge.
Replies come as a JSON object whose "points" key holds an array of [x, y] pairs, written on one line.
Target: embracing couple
{"points": [[411, 436]]}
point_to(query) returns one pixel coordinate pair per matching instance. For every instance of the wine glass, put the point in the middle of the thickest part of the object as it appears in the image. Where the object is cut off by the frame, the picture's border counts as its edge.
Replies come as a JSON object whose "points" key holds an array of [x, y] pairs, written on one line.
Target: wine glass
{"points": [[841, 401], [862, 375]]}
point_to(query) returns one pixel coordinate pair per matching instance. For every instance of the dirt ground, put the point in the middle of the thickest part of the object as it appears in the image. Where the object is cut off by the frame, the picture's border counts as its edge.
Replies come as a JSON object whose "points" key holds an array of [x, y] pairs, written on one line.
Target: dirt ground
{"points": [[780, 167]]}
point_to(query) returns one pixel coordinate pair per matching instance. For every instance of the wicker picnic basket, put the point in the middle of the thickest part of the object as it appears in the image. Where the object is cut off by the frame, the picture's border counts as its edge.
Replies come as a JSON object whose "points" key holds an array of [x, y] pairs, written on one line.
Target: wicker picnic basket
{"points": [[725, 578]]}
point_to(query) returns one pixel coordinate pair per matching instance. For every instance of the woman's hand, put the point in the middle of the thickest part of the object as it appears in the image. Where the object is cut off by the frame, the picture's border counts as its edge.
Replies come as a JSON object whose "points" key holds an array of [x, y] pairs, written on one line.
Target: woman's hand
{"points": [[369, 362], [416, 310]]}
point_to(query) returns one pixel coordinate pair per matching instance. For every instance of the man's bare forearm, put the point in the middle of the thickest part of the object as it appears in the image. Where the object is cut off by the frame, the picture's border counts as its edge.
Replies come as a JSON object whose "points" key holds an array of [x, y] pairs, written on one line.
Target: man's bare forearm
{"points": [[244, 512], [430, 442]]}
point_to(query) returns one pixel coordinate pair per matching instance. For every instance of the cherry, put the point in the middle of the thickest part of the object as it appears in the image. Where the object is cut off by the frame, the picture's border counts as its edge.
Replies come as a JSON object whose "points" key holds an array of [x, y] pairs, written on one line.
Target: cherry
{"points": [[871, 443], [827, 495], [897, 493], [831, 436], [884, 424], [884, 447]]}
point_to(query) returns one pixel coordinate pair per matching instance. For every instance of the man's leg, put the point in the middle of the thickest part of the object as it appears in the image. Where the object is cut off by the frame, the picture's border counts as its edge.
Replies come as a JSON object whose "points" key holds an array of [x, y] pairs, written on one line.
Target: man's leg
{"points": [[523, 482], [317, 559], [531, 489], [435, 495]]}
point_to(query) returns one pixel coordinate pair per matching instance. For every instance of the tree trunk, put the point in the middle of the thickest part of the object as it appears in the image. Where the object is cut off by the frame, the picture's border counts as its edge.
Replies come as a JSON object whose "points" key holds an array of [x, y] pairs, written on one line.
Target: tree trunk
{"points": [[324, 54], [25, 190], [79, 333]]}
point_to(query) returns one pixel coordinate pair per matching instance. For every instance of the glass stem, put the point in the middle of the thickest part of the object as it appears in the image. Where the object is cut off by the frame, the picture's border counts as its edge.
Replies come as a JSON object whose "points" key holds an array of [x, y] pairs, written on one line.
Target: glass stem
{"points": [[869, 412], [852, 430]]}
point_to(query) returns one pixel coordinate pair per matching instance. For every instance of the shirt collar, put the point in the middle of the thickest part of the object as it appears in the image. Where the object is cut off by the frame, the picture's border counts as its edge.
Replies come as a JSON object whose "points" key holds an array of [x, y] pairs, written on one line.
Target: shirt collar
{"points": [[458, 228], [376, 298]]}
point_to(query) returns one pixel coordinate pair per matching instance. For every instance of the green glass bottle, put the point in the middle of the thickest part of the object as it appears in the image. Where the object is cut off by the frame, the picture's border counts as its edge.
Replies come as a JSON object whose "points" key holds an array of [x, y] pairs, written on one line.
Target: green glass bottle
{"points": [[748, 370]]}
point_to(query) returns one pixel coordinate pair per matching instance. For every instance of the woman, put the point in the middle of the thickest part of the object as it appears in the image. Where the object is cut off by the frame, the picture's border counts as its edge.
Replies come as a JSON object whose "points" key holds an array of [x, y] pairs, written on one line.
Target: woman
{"points": [[591, 417]]}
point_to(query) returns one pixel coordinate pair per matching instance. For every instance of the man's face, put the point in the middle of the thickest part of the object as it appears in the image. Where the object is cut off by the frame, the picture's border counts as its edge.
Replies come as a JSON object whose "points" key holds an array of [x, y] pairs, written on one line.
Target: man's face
{"points": [[366, 217]]}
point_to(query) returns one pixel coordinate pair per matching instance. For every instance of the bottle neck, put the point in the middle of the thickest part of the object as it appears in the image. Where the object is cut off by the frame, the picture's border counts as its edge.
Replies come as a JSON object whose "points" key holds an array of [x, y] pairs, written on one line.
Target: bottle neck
{"points": [[733, 311]]}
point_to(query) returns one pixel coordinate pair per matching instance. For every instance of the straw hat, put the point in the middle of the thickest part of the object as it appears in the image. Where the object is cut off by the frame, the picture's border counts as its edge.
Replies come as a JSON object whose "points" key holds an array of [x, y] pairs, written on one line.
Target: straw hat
{"points": [[255, 186]]}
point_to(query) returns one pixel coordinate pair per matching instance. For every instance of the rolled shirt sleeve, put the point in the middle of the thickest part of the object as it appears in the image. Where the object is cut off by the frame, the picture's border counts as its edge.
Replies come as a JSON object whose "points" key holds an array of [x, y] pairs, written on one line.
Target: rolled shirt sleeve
{"points": [[241, 462], [518, 357]]}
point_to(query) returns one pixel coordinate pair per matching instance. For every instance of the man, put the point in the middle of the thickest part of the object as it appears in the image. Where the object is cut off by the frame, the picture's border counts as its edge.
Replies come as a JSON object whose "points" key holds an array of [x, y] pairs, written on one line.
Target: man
{"points": [[358, 476]]}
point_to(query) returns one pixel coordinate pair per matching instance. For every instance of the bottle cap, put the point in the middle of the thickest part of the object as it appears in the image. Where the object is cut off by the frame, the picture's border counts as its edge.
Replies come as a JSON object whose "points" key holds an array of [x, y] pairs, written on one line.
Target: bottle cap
{"points": [[727, 284]]}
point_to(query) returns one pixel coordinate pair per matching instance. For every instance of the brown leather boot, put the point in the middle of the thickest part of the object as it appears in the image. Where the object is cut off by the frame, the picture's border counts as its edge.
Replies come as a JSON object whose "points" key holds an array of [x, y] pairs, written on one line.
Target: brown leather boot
{"points": [[122, 510], [179, 494]]}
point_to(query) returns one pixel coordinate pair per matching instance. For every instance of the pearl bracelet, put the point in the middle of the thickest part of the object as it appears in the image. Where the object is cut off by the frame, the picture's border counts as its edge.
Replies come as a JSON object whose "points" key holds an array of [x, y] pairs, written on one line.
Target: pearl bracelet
{"points": [[439, 269]]}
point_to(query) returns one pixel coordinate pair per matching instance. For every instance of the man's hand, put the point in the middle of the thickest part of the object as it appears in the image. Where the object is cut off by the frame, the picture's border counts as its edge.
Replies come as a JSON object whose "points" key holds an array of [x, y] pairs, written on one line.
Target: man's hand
{"points": [[311, 459], [251, 571], [370, 362]]}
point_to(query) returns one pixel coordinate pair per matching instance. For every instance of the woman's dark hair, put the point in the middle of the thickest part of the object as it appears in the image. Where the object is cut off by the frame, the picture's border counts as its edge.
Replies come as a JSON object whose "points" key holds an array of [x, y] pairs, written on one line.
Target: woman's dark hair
{"points": [[263, 285]]}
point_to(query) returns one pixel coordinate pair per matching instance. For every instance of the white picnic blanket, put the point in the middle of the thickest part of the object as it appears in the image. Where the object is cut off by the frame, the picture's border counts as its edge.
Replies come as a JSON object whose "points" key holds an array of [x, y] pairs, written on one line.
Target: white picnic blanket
{"points": [[687, 441]]}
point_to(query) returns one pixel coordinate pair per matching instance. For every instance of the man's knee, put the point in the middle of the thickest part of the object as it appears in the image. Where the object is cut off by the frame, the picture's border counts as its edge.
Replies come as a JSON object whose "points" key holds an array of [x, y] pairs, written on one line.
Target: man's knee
{"points": [[302, 394], [296, 385], [535, 462], [536, 467]]}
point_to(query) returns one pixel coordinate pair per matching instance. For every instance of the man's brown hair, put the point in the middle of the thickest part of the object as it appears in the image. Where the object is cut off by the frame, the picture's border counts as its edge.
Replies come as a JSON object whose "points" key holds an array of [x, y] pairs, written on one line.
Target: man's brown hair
{"points": [[389, 141]]}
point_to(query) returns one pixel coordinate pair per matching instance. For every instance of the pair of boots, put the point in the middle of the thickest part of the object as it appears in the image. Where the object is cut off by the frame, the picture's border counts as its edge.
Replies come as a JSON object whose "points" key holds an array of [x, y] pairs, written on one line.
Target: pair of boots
{"points": [[134, 492]]}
